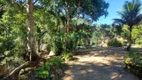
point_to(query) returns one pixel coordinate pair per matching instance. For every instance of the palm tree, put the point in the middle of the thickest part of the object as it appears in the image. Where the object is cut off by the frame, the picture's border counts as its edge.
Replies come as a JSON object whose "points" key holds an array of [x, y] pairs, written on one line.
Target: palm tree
{"points": [[131, 16]]}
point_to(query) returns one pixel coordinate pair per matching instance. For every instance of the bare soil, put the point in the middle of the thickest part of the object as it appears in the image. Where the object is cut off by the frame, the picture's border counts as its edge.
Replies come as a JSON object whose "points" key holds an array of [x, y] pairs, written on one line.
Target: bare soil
{"points": [[98, 64]]}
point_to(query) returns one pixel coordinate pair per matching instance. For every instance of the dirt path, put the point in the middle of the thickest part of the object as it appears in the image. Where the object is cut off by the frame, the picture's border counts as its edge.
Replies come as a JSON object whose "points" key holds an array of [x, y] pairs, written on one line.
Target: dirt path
{"points": [[99, 64]]}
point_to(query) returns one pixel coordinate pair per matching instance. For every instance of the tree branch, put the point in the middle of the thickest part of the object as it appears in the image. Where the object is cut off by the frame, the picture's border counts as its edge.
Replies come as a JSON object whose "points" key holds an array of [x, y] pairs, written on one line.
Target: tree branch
{"points": [[14, 74], [35, 1]]}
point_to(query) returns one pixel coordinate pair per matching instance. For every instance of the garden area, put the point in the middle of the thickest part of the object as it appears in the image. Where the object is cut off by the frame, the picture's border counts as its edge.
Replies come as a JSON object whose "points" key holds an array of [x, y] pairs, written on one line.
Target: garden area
{"points": [[60, 40]]}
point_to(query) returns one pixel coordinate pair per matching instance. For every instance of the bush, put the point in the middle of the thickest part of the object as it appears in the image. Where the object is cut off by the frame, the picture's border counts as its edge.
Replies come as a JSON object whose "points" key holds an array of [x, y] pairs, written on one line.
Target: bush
{"points": [[57, 46], [134, 63], [115, 43], [50, 67], [66, 56]]}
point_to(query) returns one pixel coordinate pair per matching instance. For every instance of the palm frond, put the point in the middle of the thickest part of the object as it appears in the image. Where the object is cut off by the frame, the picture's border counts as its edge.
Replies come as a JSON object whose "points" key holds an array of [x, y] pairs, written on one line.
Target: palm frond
{"points": [[119, 21], [122, 14], [131, 13], [138, 19]]}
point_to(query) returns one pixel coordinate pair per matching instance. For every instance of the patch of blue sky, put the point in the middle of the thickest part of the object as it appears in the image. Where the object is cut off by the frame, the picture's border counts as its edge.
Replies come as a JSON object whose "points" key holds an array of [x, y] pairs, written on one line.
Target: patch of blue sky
{"points": [[114, 6]]}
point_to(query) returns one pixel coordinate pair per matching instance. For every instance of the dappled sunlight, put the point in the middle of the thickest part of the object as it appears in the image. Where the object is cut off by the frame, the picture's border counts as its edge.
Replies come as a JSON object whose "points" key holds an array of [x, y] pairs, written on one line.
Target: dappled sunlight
{"points": [[115, 76], [98, 65], [86, 71], [90, 70], [83, 72], [70, 39], [68, 75], [76, 63]]}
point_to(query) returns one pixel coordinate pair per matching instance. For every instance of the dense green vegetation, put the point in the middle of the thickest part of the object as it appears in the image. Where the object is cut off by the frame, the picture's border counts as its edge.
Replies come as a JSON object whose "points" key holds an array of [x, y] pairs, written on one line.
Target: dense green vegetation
{"points": [[131, 16], [38, 36], [51, 67], [32, 30], [115, 43], [134, 63]]}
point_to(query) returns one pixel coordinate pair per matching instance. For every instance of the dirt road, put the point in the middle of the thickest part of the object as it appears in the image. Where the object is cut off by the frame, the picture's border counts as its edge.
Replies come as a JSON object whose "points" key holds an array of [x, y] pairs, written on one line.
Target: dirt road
{"points": [[98, 64]]}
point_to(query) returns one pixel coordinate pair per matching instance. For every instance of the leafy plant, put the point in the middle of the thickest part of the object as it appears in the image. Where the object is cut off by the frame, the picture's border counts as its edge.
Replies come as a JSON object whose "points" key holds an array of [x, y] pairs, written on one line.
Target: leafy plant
{"points": [[134, 63], [115, 43], [56, 62], [66, 55], [42, 72], [51, 65]]}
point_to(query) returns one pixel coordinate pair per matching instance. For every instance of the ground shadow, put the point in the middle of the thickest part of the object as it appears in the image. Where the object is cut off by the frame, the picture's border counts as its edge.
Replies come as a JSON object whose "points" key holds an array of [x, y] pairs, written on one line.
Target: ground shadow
{"points": [[106, 51], [106, 69], [90, 71]]}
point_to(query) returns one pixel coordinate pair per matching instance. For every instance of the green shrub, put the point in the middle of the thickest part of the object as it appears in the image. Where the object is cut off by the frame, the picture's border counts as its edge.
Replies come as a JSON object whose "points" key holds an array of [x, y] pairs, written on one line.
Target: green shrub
{"points": [[56, 62], [71, 42], [66, 55], [134, 63], [44, 71], [57, 46], [115, 43]]}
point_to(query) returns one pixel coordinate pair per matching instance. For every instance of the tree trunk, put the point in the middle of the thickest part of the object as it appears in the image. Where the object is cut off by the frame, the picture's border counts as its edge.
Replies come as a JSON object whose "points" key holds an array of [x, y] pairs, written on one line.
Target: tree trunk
{"points": [[67, 26], [68, 21], [31, 32], [130, 39]]}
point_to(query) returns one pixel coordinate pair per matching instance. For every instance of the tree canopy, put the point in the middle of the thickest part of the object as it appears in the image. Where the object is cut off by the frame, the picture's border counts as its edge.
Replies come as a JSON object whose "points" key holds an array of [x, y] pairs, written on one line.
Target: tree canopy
{"points": [[130, 15], [60, 25]]}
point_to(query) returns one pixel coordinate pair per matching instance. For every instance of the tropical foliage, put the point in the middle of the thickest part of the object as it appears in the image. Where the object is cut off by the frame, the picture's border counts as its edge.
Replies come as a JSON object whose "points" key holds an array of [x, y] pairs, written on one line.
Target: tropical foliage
{"points": [[60, 25], [115, 43], [130, 15], [134, 63]]}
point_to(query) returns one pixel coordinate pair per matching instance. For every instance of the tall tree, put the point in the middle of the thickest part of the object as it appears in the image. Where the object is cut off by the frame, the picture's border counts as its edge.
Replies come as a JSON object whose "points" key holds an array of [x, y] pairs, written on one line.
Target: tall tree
{"points": [[71, 10], [31, 30], [131, 16]]}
